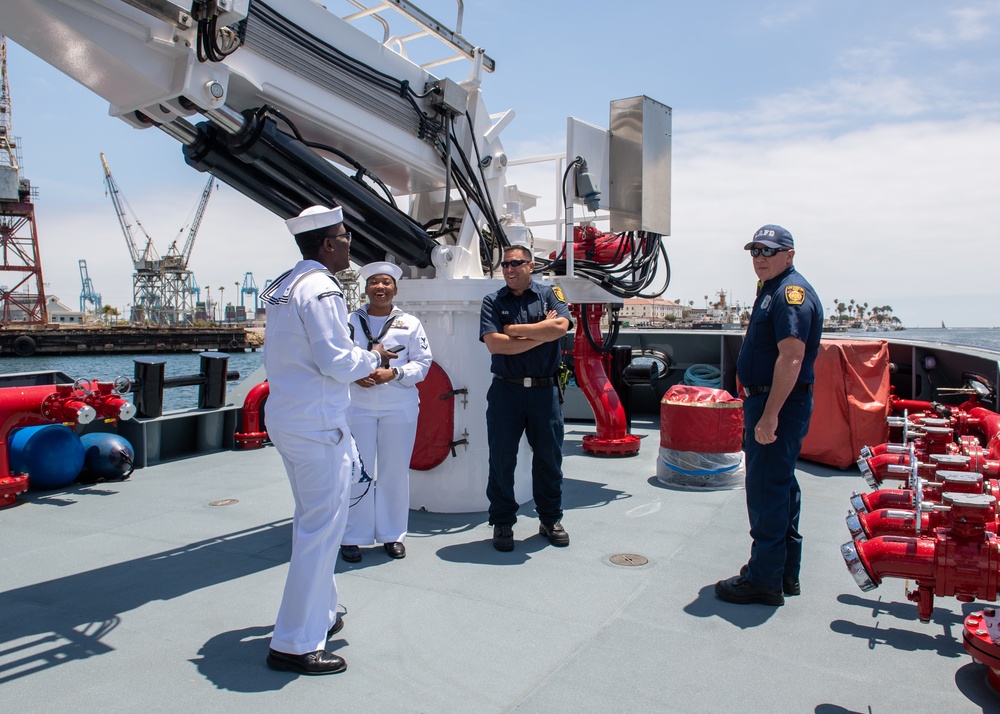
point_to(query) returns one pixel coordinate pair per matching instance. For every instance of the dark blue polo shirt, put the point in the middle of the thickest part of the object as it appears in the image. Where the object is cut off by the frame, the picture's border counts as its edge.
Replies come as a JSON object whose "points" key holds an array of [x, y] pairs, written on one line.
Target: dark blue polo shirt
{"points": [[505, 308], [786, 306]]}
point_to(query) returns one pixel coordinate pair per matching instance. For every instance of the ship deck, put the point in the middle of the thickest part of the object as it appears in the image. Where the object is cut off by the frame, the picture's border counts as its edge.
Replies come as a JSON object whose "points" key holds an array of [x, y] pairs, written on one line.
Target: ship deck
{"points": [[142, 596]]}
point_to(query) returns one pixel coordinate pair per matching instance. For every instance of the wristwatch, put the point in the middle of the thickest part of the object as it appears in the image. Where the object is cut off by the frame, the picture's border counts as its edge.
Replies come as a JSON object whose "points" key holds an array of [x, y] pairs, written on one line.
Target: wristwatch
{"points": [[396, 373]]}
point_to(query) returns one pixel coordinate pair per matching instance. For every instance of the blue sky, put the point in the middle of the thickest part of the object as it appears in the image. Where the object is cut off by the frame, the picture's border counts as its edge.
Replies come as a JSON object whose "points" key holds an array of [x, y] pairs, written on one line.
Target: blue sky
{"points": [[871, 130]]}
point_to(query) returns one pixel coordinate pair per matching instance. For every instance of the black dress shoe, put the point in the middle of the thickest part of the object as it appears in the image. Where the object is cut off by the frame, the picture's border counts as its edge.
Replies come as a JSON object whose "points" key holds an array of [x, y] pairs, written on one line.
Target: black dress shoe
{"points": [[789, 583], [741, 591], [503, 538], [337, 626], [556, 534], [318, 662], [395, 550], [350, 553]]}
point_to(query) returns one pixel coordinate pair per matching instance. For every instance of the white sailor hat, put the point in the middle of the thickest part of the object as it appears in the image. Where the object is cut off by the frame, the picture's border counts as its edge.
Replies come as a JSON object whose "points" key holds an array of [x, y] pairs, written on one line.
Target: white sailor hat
{"points": [[315, 217], [380, 268]]}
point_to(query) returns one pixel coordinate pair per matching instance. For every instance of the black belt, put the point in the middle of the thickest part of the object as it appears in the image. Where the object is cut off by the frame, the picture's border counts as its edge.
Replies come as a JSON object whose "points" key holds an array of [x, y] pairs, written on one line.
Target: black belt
{"points": [[754, 389], [528, 381]]}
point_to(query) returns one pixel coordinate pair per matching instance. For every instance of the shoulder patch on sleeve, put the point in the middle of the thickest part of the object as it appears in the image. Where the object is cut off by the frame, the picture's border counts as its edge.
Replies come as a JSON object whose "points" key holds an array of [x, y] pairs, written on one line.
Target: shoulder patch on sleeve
{"points": [[795, 294], [557, 291]]}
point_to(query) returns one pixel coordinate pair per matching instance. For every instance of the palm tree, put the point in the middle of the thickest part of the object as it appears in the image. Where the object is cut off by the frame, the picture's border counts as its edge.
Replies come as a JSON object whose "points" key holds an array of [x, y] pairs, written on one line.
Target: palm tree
{"points": [[107, 312]]}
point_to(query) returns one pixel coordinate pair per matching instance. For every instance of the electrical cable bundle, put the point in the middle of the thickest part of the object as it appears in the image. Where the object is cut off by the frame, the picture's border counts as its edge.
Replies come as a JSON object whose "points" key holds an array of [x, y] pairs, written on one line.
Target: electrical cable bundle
{"points": [[277, 26], [471, 185], [214, 43], [631, 272]]}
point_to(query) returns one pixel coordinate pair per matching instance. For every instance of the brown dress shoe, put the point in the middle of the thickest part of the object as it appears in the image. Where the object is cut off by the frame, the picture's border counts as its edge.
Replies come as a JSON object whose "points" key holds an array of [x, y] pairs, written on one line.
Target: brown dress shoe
{"points": [[556, 534], [395, 550]]}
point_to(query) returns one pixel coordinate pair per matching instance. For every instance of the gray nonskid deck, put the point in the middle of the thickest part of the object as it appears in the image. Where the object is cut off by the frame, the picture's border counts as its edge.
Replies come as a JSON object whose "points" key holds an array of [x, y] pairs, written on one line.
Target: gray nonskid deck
{"points": [[142, 596]]}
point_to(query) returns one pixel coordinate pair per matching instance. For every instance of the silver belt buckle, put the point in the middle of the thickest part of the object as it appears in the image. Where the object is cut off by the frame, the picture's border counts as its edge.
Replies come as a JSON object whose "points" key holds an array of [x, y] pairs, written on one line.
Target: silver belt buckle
{"points": [[527, 381]]}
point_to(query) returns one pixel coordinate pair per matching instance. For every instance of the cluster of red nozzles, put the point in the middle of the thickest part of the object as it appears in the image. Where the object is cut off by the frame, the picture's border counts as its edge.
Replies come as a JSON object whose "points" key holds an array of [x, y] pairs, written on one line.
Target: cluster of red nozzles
{"points": [[939, 527]]}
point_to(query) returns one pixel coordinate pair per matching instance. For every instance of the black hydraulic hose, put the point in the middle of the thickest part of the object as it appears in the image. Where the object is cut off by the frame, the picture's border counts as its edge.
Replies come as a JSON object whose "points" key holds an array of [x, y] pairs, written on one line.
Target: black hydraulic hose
{"points": [[290, 163], [209, 153]]}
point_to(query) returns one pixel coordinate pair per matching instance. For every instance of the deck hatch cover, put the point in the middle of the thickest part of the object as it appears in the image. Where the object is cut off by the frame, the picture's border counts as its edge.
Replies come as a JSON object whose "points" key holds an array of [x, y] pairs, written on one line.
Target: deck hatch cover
{"points": [[629, 559]]}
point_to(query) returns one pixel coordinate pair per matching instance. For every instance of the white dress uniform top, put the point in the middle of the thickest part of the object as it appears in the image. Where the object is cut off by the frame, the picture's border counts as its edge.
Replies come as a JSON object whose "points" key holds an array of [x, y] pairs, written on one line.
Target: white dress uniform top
{"points": [[383, 420], [310, 361]]}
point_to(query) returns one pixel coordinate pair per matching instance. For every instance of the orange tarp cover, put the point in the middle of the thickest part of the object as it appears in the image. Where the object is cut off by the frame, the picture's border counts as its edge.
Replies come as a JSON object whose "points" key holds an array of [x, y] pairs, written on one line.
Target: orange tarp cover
{"points": [[850, 401], [701, 419]]}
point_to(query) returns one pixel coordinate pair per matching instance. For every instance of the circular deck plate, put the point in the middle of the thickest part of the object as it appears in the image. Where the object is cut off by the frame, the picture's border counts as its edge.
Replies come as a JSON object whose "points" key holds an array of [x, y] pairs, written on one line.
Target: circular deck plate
{"points": [[629, 559]]}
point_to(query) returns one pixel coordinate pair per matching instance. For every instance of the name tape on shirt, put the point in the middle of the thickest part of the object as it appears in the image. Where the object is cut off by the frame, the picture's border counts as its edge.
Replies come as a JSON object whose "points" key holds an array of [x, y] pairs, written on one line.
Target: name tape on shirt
{"points": [[795, 294], [557, 291]]}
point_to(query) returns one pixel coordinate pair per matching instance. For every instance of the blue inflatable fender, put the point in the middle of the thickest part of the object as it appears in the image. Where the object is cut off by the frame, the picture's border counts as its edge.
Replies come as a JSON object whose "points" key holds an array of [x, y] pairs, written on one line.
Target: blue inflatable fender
{"points": [[107, 457], [51, 455]]}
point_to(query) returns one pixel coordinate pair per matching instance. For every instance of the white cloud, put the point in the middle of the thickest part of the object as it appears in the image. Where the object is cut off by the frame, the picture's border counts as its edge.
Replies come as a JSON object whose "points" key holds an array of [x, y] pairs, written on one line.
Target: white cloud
{"points": [[785, 13], [887, 215], [966, 24]]}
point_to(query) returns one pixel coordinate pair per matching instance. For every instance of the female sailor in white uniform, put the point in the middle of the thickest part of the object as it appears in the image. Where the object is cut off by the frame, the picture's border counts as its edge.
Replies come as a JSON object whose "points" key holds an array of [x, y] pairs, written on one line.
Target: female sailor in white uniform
{"points": [[383, 416]]}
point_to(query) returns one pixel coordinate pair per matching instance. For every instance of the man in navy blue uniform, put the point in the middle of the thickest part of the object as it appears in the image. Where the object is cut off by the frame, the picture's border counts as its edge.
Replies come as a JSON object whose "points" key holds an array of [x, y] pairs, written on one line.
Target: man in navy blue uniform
{"points": [[776, 368], [521, 325]]}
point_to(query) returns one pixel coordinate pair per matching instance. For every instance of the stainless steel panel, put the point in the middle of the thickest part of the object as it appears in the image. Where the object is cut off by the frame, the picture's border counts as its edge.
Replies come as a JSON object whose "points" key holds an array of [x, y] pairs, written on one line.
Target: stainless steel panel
{"points": [[640, 165]]}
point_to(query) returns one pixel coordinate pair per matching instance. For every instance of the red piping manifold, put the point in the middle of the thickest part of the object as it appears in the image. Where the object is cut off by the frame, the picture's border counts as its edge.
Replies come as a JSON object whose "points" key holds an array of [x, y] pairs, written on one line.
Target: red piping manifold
{"points": [[251, 434], [612, 438], [981, 638], [962, 561], [36, 405]]}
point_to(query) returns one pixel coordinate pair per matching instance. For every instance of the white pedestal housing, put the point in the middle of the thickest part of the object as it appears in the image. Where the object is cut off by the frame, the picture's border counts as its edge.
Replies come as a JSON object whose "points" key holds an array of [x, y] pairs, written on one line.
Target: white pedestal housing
{"points": [[449, 311]]}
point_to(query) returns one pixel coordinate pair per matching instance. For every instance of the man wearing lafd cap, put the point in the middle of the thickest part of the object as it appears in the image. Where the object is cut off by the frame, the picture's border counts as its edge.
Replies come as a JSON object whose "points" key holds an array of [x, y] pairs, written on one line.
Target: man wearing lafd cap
{"points": [[310, 362], [775, 367]]}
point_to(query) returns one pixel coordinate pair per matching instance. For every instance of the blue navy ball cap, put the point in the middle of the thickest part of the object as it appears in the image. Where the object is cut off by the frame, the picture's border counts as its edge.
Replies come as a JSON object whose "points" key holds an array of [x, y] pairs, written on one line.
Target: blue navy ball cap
{"points": [[771, 236]]}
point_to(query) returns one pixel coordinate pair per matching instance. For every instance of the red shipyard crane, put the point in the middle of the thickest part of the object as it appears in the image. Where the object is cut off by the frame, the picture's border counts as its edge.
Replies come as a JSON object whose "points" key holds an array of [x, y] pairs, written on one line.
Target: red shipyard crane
{"points": [[22, 293]]}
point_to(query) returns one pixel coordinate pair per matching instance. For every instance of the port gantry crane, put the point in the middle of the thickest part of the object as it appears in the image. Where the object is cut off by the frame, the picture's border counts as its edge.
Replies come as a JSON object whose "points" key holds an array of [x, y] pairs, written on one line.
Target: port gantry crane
{"points": [[162, 288], [87, 294], [22, 296], [249, 288]]}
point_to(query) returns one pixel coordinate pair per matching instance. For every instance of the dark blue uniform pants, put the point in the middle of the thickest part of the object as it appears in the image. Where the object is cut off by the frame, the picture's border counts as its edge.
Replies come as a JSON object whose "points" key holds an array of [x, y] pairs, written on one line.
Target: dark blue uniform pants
{"points": [[773, 497], [513, 410]]}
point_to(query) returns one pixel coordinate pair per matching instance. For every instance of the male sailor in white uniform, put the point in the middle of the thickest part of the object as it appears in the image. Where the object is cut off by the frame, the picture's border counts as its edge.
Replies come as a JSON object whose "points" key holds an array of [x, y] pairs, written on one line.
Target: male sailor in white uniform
{"points": [[311, 361]]}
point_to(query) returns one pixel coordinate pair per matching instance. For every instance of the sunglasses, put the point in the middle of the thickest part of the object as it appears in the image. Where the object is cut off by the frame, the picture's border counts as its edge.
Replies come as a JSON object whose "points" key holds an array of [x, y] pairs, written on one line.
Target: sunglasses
{"points": [[513, 263], [767, 252]]}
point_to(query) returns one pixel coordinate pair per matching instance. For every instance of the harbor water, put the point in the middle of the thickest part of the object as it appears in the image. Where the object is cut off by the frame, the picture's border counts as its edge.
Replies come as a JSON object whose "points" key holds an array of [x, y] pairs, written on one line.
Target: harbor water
{"points": [[982, 337], [106, 368]]}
